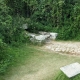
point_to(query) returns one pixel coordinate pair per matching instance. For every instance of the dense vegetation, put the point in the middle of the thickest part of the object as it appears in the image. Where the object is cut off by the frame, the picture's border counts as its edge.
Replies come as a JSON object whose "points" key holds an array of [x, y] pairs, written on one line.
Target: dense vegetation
{"points": [[62, 16]]}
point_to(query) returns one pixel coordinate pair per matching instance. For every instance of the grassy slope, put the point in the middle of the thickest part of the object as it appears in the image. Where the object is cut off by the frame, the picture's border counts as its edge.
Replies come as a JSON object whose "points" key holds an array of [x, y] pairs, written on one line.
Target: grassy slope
{"points": [[32, 64]]}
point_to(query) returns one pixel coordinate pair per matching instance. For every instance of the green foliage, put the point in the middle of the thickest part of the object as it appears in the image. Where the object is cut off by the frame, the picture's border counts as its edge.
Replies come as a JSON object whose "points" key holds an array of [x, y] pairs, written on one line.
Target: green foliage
{"points": [[4, 56], [4, 65], [45, 15], [62, 76], [11, 32], [15, 32], [10, 26], [67, 33], [62, 15], [3, 50]]}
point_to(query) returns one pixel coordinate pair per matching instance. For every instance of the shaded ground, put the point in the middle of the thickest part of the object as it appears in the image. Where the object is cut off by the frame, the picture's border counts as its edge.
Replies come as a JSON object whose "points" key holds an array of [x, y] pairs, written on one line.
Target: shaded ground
{"points": [[39, 65]]}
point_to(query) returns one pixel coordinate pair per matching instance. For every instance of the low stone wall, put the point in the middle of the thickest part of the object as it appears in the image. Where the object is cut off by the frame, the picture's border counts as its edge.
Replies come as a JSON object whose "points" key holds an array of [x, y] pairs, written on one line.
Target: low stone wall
{"points": [[42, 36]]}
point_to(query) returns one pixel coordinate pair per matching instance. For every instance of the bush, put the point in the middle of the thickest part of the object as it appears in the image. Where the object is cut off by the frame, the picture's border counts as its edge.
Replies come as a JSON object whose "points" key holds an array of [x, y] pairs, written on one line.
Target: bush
{"points": [[4, 56], [13, 32], [3, 50], [43, 16], [67, 33]]}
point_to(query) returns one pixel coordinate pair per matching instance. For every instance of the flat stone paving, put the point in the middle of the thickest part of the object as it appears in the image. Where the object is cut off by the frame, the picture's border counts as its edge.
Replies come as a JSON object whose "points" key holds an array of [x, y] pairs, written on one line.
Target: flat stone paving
{"points": [[65, 46], [71, 70]]}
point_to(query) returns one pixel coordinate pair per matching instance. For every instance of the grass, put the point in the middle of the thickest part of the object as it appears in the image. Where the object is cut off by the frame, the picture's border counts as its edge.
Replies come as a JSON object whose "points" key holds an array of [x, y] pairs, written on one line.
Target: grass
{"points": [[62, 76], [32, 63]]}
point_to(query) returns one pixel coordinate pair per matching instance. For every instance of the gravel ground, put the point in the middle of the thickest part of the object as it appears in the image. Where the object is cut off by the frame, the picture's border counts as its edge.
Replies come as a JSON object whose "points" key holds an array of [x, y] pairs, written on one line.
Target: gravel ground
{"points": [[64, 46]]}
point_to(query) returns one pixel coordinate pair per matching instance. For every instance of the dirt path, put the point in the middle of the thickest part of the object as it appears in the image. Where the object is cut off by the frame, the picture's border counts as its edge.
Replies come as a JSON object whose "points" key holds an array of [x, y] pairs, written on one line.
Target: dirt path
{"points": [[67, 47]]}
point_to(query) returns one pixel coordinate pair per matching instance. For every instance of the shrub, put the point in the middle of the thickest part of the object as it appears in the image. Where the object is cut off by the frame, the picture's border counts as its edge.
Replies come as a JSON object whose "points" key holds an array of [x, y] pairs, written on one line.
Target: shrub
{"points": [[4, 56]]}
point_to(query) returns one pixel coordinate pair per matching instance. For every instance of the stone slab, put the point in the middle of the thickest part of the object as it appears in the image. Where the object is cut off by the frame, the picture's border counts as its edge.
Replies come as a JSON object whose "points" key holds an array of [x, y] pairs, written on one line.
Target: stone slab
{"points": [[53, 35], [71, 70], [40, 37]]}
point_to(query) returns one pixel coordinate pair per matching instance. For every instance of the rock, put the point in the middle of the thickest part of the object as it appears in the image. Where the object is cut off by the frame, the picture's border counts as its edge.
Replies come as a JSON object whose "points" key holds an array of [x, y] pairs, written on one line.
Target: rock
{"points": [[25, 26], [42, 33], [32, 35], [32, 40], [53, 35], [47, 36], [40, 38], [71, 70], [37, 38]]}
